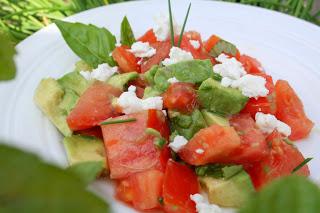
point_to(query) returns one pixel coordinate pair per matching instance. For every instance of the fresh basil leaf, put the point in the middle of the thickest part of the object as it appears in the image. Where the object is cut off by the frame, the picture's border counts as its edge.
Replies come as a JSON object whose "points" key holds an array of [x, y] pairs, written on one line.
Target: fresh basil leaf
{"points": [[7, 51], [127, 36], [92, 44], [223, 47], [29, 185], [292, 194], [87, 171]]}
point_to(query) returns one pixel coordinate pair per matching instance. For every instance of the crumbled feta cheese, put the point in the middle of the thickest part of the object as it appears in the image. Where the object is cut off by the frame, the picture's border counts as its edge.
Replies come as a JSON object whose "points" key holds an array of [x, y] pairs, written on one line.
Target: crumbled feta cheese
{"points": [[267, 123], [251, 86], [162, 27], [164, 112], [101, 73], [226, 81], [130, 103], [199, 151], [140, 61], [142, 49], [177, 55], [178, 143], [173, 80], [229, 67], [204, 207], [195, 44]]}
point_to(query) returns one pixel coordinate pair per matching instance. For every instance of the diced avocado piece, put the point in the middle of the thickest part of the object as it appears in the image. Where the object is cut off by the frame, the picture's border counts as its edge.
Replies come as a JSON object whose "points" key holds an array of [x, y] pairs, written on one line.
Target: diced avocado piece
{"points": [[217, 98], [149, 75], [232, 190], [213, 118], [48, 96], [223, 46], [84, 148], [151, 92], [187, 125], [119, 81], [82, 66], [74, 81], [69, 101]]}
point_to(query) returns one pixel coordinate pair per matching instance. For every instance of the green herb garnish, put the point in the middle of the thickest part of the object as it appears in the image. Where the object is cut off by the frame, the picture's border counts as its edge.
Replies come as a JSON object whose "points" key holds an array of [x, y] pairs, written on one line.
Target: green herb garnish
{"points": [[153, 132], [159, 142], [288, 141], [160, 200], [307, 160], [184, 25], [107, 122], [171, 23], [127, 36]]}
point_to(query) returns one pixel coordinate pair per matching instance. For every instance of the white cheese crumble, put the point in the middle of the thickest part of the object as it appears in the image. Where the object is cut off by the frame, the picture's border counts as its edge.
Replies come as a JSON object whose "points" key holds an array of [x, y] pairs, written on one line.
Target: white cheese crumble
{"points": [[173, 80], [101, 73], [177, 55], [251, 86], [229, 67], [195, 44], [142, 49], [199, 151], [267, 123], [178, 143], [204, 207], [130, 103], [162, 27]]}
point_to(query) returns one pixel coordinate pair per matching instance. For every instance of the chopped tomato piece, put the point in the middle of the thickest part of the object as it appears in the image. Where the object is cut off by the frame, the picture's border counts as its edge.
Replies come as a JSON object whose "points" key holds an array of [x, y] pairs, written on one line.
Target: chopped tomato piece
{"points": [[124, 190], [162, 52], [130, 149], [93, 107], [251, 65], [179, 183], [280, 162], [197, 53], [181, 97], [149, 36], [94, 131], [158, 121], [211, 42], [267, 104], [216, 143], [126, 60], [253, 144], [290, 110]]}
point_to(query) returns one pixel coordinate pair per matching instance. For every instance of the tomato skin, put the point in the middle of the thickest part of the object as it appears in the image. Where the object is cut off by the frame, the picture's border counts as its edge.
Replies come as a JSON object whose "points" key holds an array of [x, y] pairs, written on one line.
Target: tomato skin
{"points": [[162, 52], [126, 60], [265, 105], [253, 144], [179, 183], [211, 42], [180, 96], [93, 107], [280, 162], [290, 110], [216, 141], [149, 36], [251, 65], [158, 121]]}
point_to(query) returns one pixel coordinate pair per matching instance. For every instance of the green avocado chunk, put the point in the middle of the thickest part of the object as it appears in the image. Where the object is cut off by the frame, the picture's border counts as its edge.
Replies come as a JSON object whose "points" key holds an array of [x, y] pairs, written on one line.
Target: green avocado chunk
{"points": [[120, 80], [74, 81], [48, 97], [222, 100], [84, 148], [230, 191], [213, 118], [69, 101], [187, 125], [82, 66]]}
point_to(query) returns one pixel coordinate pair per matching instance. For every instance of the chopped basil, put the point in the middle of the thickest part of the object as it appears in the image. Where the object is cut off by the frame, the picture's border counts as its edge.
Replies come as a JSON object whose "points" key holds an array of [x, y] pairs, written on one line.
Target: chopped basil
{"points": [[307, 160], [110, 121]]}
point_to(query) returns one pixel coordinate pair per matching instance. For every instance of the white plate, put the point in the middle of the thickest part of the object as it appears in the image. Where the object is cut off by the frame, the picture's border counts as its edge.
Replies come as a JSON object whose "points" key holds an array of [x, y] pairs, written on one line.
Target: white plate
{"points": [[288, 48]]}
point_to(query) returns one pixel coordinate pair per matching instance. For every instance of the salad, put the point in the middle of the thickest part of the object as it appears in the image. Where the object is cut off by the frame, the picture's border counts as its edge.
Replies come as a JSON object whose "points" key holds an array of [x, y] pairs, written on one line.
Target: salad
{"points": [[173, 116]]}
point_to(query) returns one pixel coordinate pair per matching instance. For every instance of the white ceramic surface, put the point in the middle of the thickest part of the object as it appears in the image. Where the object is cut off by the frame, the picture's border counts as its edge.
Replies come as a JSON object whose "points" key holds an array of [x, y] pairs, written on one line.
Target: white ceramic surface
{"points": [[288, 48]]}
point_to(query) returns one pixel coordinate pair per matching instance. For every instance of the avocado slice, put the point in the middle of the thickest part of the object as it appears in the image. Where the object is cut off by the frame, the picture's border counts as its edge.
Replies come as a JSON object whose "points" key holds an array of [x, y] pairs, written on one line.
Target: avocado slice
{"points": [[74, 81], [217, 98], [232, 190], [119, 81], [151, 92], [213, 118], [82, 66], [48, 96], [69, 101], [84, 148]]}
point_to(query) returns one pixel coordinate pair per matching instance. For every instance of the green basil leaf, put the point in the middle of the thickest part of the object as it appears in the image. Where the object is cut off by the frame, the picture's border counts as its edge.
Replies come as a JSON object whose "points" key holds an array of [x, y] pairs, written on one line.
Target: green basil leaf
{"points": [[29, 185], [7, 51], [292, 194], [127, 36], [87, 171], [223, 47], [92, 44]]}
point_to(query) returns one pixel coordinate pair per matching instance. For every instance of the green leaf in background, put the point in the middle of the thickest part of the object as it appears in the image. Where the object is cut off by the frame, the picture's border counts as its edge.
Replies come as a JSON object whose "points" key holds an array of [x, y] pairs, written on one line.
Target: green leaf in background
{"points": [[28, 185], [7, 51], [127, 36], [82, 5], [87, 171], [92, 44], [292, 194]]}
